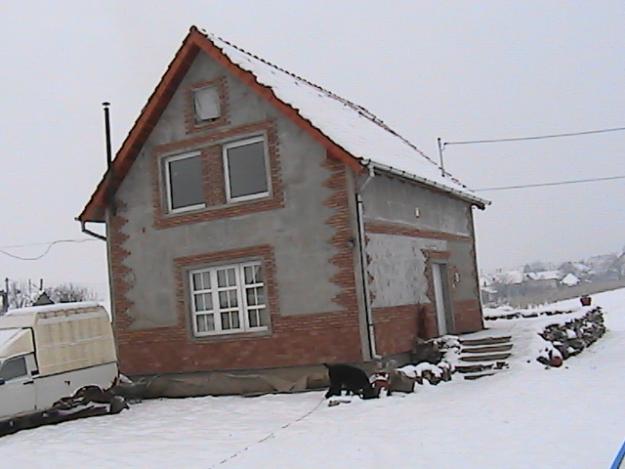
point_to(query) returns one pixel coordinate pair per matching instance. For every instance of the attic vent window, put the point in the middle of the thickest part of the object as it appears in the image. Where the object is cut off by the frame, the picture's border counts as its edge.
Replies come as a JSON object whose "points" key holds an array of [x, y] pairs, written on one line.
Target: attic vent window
{"points": [[206, 104]]}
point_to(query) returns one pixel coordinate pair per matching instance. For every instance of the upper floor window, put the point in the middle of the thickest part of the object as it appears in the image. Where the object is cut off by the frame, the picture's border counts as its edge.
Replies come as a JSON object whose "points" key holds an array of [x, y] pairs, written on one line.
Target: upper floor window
{"points": [[183, 176], [246, 169], [206, 104], [228, 299]]}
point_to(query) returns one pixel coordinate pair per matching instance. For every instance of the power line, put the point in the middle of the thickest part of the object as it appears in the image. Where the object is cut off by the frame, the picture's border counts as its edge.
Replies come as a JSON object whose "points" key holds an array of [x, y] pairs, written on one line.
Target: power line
{"points": [[535, 137], [50, 244], [545, 184]]}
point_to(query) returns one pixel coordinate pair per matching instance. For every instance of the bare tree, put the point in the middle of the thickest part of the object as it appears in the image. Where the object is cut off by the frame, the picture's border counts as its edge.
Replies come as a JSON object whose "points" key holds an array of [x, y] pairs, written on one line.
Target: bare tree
{"points": [[70, 293]]}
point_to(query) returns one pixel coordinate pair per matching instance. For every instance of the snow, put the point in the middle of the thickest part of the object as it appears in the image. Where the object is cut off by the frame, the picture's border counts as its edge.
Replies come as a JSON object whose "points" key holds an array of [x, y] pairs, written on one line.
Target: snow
{"points": [[347, 124], [570, 280], [523, 417], [52, 308], [546, 275], [510, 277]]}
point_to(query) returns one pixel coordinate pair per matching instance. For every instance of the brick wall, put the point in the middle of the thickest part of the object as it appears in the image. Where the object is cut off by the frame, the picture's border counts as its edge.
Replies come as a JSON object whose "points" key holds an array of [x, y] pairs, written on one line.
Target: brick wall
{"points": [[290, 341], [213, 176], [397, 327]]}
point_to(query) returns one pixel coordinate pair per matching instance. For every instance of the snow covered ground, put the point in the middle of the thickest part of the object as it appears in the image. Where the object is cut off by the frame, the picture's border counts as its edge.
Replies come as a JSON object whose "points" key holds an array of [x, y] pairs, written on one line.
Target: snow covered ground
{"points": [[526, 417]]}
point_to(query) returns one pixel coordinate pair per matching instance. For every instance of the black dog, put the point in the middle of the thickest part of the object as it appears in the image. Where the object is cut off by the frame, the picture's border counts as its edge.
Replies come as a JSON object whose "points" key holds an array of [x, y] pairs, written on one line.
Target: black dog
{"points": [[350, 378]]}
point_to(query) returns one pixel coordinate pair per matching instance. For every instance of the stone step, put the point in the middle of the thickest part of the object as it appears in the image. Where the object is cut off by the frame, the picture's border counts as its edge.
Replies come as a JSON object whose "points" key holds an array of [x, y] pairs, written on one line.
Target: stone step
{"points": [[492, 357], [474, 376], [486, 341], [487, 349]]}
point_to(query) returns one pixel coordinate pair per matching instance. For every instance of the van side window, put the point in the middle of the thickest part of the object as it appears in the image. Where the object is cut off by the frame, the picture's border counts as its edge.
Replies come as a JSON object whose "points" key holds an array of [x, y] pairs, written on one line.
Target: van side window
{"points": [[13, 368]]}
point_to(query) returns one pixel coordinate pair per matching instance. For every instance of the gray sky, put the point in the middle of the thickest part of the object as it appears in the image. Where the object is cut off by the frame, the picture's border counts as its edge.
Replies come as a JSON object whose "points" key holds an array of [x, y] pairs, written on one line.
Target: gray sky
{"points": [[458, 70]]}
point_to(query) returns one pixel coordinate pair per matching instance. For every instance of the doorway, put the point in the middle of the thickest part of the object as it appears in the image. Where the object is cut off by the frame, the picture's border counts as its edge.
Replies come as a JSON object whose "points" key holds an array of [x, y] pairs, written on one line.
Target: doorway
{"points": [[441, 298]]}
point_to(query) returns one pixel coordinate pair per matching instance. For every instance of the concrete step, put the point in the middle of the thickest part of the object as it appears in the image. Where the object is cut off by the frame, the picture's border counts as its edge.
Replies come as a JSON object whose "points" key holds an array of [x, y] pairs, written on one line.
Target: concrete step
{"points": [[477, 368], [487, 349], [486, 341], [492, 357], [474, 376]]}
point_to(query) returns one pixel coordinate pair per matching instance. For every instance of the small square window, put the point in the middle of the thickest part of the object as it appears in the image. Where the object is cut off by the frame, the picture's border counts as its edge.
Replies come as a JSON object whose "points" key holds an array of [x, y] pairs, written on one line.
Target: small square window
{"points": [[246, 169], [206, 104], [183, 176]]}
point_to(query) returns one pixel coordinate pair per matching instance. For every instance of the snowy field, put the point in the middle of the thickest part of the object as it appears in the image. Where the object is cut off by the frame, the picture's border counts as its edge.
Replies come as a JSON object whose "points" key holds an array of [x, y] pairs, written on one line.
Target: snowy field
{"points": [[525, 417]]}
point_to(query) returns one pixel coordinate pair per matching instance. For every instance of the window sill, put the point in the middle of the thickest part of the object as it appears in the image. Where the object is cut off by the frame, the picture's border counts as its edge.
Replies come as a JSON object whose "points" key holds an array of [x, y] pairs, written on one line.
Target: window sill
{"points": [[190, 208], [232, 336], [206, 210]]}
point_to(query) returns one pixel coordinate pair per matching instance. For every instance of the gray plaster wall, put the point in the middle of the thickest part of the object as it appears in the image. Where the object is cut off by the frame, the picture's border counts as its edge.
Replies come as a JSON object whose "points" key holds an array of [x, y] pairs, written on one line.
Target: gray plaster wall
{"points": [[397, 263], [393, 200], [297, 232], [397, 266]]}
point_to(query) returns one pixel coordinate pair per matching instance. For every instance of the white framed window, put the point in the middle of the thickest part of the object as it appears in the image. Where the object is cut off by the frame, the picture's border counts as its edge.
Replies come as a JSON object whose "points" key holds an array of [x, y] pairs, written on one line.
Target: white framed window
{"points": [[183, 182], [228, 299], [206, 104], [245, 167]]}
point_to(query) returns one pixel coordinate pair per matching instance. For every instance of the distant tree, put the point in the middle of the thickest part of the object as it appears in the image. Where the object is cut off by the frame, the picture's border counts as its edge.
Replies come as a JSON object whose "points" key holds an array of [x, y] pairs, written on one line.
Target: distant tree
{"points": [[70, 293], [22, 293]]}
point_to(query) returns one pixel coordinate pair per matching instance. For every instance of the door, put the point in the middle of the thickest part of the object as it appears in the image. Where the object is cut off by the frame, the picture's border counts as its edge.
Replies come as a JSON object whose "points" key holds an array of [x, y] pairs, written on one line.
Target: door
{"points": [[17, 388], [441, 296]]}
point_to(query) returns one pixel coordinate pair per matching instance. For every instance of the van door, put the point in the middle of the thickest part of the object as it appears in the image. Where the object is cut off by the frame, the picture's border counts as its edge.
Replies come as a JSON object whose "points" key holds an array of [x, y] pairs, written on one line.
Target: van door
{"points": [[17, 388]]}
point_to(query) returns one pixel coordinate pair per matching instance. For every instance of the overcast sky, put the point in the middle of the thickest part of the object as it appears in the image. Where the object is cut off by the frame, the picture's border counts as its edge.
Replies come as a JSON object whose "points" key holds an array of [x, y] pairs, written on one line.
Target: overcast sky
{"points": [[456, 70]]}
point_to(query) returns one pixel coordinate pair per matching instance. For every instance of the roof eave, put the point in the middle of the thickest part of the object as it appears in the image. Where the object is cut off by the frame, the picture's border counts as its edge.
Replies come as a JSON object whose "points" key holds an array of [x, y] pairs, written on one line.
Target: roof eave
{"points": [[474, 200]]}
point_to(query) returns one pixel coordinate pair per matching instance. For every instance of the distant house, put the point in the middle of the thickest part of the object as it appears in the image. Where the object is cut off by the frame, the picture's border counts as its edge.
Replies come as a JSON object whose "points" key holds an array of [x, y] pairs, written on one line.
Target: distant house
{"points": [[546, 280], [570, 280], [256, 220]]}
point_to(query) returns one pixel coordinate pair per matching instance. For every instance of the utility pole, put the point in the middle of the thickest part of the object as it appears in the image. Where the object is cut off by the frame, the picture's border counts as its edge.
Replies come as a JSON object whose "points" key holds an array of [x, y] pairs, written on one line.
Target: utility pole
{"points": [[440, 155]]}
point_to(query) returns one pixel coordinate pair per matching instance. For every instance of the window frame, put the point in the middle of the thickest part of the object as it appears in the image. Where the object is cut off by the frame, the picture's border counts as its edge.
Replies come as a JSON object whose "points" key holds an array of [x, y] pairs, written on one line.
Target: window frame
{"points": [[240, 143], [168, 187], [243, 308]]}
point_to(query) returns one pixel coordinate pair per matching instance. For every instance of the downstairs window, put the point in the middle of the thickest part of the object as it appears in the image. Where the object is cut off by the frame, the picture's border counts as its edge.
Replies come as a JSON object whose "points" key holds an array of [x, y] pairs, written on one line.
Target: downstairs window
{"points": [[228, 299]]}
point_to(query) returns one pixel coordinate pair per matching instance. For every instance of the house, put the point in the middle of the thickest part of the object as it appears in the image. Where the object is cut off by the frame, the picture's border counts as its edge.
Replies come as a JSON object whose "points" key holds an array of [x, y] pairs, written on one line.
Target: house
{"points": [[541, 281], [258, 221], [570, 280]]}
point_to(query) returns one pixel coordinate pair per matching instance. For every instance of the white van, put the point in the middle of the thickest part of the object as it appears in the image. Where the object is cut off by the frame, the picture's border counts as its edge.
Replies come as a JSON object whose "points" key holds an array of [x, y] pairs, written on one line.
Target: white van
{"points": [[50, 352]]}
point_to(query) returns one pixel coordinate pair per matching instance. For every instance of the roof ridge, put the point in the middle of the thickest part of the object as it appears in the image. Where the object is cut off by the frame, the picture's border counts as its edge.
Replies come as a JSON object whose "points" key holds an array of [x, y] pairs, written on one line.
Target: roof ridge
{"points": [[361, 110]]}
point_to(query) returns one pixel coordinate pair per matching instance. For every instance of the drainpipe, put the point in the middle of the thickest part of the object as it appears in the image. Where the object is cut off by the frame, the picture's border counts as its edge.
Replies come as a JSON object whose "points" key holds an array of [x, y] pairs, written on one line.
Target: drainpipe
{"points": [[84, 229], [363, 263]]}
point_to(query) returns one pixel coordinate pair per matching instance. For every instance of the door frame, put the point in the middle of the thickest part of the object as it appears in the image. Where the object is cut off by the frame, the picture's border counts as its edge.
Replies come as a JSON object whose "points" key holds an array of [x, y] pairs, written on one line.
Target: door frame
{"points": [[440, 259]]}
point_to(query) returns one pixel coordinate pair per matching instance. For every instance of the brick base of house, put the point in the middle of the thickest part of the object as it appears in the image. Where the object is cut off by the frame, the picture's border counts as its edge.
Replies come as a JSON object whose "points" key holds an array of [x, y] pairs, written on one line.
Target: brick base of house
{"points": [[398, 327]]}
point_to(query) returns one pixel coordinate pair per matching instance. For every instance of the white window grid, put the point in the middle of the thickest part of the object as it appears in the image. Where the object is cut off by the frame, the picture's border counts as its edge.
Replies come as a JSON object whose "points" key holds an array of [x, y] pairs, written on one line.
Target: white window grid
{"points": [[220, 299], [168, 160], [240, 143]]}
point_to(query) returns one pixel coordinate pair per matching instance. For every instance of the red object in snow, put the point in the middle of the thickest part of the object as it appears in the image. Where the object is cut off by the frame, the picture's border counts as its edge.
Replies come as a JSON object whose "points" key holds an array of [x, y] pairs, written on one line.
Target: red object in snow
{"points": [[585, 300]]}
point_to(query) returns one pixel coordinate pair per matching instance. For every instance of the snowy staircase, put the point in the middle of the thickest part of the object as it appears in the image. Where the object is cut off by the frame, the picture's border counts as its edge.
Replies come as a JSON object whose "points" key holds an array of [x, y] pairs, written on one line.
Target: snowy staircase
{"points": [[484, 356]]}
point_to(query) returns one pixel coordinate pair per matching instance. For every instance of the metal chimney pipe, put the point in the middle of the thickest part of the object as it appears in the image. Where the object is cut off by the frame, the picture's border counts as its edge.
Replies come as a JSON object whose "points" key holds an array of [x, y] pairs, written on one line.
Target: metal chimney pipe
{"points": [[107, 127]]}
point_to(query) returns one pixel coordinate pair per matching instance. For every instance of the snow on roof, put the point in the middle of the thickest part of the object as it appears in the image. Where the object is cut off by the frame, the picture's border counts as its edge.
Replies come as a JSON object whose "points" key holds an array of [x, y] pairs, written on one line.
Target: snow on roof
{"points": [[570, 280], [347, 124], [546, 275], [509, 277], [581, 266], [52, 308]]}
